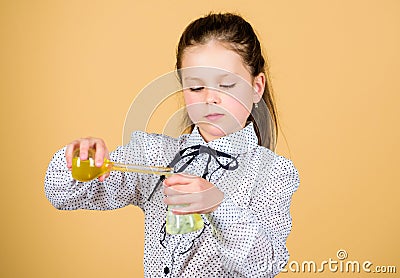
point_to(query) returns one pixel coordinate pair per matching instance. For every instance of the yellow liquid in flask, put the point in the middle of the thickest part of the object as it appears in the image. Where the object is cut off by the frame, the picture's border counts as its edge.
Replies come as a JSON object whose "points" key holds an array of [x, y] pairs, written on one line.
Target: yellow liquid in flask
{"points": [[86, 170]]}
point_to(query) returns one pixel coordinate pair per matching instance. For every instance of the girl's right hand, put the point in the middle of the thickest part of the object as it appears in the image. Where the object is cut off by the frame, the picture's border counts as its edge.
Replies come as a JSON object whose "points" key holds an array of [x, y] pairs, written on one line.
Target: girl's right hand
{"points": [[84, 144]]}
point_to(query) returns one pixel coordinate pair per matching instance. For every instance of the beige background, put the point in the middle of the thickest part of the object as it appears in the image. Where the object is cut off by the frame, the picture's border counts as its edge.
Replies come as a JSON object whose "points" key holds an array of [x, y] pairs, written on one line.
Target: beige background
{"points": [[71, 69]]}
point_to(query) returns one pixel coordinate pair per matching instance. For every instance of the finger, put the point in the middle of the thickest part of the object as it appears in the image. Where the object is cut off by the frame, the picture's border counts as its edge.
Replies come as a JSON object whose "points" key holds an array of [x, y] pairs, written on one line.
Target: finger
{"points": [[208, 195], [84, 149], [176, 200], [174, 190], [103, 177], [106, 153], [69, 152], [101, 152], [179, 178], [193, 187]]}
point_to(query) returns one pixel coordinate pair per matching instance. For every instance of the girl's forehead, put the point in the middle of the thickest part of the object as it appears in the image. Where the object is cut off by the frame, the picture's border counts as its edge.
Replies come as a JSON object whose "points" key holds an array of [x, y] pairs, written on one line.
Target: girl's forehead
{"points": [[214, 55], [203, 73]]}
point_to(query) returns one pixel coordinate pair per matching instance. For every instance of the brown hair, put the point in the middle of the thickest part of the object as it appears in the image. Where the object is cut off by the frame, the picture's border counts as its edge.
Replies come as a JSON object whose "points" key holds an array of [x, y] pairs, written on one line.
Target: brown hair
{"points": [[236, 33]]}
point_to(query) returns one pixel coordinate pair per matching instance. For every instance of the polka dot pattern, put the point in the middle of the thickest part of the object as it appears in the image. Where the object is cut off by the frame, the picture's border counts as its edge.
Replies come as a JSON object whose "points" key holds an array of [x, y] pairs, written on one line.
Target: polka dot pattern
{"points": [[244, 237]]}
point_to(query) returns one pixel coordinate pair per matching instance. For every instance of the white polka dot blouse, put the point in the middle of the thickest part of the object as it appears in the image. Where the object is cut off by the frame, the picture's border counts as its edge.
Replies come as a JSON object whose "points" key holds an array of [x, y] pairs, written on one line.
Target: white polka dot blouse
{"points": [[244, 237]]}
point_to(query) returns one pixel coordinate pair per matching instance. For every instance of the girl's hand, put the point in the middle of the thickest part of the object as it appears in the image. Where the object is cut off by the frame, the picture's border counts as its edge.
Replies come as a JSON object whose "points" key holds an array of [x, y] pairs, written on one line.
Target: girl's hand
{"points": [[84, 144], [200, 195]]}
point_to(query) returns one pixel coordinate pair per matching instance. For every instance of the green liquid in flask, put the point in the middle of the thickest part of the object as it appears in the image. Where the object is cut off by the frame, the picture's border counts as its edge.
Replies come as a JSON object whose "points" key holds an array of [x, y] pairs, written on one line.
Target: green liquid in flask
{"points": [[182, 224]]}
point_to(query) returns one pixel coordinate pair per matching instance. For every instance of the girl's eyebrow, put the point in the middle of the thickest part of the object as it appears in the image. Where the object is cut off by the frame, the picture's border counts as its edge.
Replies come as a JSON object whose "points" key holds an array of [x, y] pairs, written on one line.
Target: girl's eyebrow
{"points": [[192, 78]]}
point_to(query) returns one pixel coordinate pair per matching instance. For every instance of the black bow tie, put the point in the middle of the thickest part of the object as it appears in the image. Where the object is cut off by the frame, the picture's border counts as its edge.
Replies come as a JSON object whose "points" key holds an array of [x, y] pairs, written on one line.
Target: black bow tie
{"points": [[195, 151]]}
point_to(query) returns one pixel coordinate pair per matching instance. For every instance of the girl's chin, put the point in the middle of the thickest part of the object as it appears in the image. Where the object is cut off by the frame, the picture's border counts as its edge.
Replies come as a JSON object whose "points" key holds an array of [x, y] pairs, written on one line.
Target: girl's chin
{"points": [[211, 132]]}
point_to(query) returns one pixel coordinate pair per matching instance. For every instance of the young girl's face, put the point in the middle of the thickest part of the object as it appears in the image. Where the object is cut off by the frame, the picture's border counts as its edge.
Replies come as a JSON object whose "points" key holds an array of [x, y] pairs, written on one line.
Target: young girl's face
{"points": [[218, 89]]}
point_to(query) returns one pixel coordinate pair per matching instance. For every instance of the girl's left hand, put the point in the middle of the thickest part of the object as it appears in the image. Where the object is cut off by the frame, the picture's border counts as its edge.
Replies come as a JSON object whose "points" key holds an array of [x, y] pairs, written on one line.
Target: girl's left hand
{"points": [[200, 195]]}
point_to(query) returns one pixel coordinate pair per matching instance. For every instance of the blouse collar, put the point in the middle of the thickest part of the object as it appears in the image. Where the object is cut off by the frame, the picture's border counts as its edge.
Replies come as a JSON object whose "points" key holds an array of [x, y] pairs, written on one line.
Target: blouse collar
{"points": [[238, 142]]}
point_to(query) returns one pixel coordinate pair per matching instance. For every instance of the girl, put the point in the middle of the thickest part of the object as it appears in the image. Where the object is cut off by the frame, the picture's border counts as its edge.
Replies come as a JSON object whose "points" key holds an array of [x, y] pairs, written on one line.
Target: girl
{"points": [[241, 188]]}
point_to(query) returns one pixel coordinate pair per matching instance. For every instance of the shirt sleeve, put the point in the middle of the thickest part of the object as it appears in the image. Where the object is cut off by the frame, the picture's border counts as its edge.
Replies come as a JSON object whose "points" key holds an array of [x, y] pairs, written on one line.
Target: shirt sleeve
{"points": [[118, 190], [252, 240]]}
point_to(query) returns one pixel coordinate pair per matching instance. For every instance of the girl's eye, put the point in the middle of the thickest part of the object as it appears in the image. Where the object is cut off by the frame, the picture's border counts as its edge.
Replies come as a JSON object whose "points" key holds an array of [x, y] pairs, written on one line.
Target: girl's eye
{"points": [[196, 89], [227, 86]]}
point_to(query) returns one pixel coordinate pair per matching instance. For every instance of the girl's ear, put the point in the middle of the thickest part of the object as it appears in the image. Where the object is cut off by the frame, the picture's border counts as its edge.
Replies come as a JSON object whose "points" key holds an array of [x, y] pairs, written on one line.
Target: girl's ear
{"points": [[258, 86]]}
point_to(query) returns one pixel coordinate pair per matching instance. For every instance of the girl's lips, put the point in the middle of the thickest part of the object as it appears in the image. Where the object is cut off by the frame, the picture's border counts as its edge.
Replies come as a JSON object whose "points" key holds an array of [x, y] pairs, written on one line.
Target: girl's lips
{"points": [[214, 116]]}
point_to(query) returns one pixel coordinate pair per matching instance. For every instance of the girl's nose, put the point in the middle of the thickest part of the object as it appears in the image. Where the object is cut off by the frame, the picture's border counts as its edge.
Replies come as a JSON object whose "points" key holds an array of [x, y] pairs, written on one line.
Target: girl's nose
{"points": [[212, 96]]}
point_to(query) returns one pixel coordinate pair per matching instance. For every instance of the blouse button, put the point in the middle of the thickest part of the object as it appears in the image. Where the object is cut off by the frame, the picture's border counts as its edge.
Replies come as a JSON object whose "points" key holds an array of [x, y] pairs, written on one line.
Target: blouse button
{"points": [[166, 270]]}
